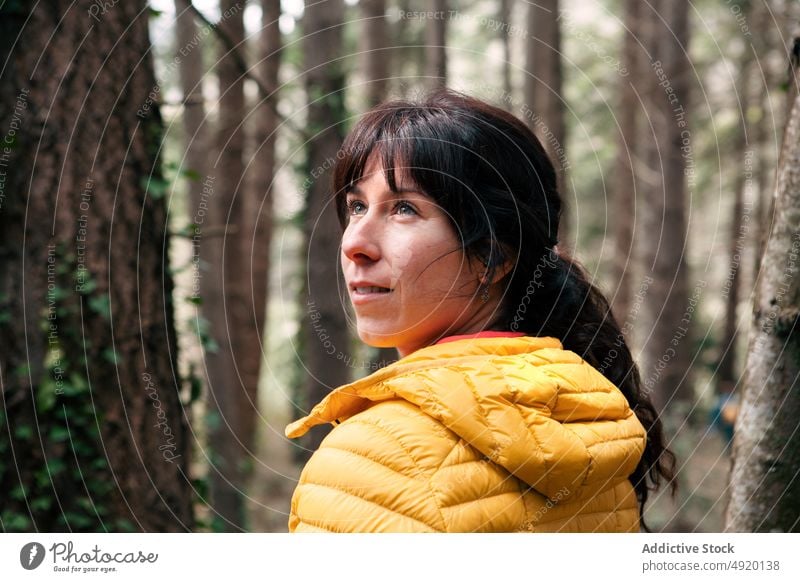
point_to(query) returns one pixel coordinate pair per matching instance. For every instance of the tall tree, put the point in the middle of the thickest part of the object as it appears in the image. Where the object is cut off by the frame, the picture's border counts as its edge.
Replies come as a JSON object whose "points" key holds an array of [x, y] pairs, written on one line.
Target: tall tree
{"points": [[505, 9], [765, 488], [436, 44], [766, 41], [222, 290], [92, 428], [377, 56], [726, 369], [256, 220], [543, 88], [624, 196], [666, 313], [326, 338], [191, 71]]}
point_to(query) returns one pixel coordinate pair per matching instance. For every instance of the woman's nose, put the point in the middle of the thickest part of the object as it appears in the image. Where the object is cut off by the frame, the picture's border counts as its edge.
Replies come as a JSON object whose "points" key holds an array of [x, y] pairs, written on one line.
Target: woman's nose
{"points": [[361, 240]]}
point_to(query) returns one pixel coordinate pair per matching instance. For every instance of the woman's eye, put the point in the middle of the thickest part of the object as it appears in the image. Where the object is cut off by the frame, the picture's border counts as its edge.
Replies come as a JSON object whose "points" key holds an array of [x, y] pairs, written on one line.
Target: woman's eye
{"points": [[356, 207], [403, 207]]}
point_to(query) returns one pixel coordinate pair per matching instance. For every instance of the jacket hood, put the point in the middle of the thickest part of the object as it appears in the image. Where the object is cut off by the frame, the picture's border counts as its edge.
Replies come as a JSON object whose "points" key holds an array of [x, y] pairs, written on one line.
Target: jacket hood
{"points": [[540, 412]]}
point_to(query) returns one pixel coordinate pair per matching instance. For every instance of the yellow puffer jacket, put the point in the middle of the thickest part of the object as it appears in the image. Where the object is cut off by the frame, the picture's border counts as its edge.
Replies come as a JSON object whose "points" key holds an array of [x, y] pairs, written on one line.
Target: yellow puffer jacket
{"points": [[475, 435]]}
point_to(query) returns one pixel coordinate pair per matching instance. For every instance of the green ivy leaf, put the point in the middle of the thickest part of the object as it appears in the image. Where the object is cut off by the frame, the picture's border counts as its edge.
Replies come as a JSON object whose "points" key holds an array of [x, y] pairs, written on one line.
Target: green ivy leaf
{"points": [[41, 503], [101, 304], [111, 356], [46, 395], [16, 522], [192, 175], [155, 187], [17, 493], [84, 286], [24, 432], [58, 434], [194, 300]]}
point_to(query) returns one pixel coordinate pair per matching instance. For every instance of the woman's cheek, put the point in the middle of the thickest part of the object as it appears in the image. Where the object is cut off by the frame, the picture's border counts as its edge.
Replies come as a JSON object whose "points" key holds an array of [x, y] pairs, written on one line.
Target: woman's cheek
{"points": [[400, 265]]}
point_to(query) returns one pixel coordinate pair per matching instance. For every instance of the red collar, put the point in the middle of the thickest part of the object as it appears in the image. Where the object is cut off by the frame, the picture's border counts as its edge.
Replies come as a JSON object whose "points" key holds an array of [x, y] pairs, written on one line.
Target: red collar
{"points": [[480, 334]]}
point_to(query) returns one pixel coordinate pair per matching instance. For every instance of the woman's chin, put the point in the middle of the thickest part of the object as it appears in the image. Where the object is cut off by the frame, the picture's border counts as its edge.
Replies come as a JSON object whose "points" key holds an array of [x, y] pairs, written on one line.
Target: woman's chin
{"points": [[377, 339]]}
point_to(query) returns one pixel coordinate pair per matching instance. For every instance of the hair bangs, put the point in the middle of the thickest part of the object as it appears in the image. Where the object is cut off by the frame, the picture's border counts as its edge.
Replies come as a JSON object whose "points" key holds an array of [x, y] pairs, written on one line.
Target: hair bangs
{"points": [[383, 132]]}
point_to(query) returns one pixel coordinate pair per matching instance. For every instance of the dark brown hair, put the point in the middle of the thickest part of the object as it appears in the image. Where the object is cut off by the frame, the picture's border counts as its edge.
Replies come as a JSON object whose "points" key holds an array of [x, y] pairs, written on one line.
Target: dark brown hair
{"points": [[492, 176]]}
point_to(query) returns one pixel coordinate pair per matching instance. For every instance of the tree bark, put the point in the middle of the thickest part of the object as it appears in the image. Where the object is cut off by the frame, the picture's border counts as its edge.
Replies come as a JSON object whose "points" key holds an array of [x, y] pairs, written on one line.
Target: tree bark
{"points": [[669, 309], [624, 179], [377, 55], [436, 44], [92, 430], [765, 488], [768, 126], [726, 369], [543, 92], [224, 296], [257, 219], [326, 339], [191, 71], [505, 18]]}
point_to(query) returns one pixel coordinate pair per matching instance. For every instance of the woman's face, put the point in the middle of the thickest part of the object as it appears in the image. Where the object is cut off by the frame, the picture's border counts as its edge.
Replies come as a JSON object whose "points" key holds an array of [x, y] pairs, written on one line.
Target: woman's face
{"points": [[408, 278]]}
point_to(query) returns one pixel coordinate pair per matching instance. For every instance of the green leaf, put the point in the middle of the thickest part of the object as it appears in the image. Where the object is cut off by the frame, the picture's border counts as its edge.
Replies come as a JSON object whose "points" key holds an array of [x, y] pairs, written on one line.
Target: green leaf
{"points": [[46, 395], [56, 465], [17, 493], [79, 521], [22, 371], [58, 434], [196, 386], [111, 356], [101, 304], [41, 503], [24, 432], [191, 175], [87, 286], [194, 299], [124, 525], [16, 522], [155, 187]]}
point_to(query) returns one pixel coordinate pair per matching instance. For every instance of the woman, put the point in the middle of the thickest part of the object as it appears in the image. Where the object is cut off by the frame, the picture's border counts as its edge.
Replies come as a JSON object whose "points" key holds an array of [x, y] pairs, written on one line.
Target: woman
{"points": [[516, 405]]}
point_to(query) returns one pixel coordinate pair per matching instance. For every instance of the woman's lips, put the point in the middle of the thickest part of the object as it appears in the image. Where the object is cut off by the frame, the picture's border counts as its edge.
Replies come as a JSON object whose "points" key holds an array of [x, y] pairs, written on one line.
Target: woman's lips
{"points": [[362, 293]]}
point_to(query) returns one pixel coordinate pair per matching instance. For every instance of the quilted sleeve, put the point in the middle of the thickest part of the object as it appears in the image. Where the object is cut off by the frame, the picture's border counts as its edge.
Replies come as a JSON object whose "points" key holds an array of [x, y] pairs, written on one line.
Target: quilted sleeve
{"points": [[372, 473]]}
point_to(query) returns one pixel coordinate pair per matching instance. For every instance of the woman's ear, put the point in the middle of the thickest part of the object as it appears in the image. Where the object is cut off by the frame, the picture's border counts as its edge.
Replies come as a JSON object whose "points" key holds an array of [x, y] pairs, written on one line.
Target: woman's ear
{"points": [[502, 270], [496, 264]]}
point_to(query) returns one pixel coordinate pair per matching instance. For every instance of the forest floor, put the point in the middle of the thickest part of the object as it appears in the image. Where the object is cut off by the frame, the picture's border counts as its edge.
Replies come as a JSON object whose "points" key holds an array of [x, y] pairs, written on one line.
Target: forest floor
{"points": [[703, 468]]}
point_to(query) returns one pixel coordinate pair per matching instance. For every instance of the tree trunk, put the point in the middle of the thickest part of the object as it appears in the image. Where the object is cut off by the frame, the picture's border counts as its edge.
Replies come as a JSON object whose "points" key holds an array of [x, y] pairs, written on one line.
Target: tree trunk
{"points": [[256, 218], [435, 44], [543, 92], [326, 340], [93, 433], [505, 38], [377, 55], [624, 179], [670, 307], [191, 73], [726, 369], [224, 297], [766, 129], [765, 489]]}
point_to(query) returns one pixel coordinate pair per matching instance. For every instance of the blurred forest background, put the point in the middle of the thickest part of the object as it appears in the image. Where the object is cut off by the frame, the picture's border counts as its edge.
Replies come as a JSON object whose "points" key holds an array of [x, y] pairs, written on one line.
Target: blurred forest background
{"points": [[170, 296]]}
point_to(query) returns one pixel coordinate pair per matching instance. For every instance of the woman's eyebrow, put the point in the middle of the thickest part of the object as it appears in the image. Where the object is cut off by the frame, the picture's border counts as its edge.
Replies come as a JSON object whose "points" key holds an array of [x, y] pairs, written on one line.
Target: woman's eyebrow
{"points": [[399, 192]]}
